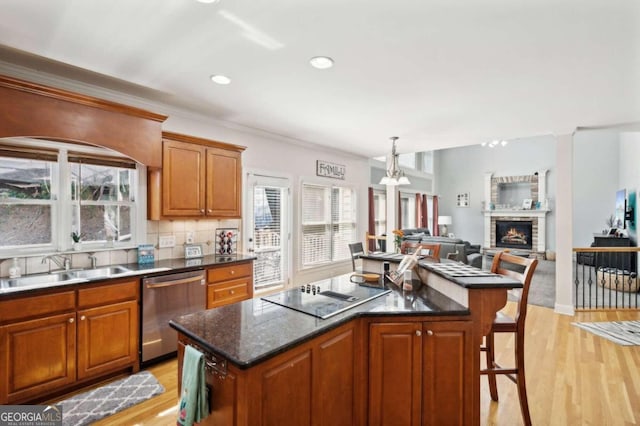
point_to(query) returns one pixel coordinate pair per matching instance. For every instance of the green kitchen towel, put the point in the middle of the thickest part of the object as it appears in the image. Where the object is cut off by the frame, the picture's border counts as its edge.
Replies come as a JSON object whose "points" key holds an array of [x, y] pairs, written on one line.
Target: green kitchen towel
{"points": [[194, 401]]}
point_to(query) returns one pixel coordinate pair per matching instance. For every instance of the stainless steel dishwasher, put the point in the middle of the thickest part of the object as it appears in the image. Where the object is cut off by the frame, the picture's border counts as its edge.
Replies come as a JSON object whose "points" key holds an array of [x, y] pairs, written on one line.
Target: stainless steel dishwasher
{"points": [[165, 297]]}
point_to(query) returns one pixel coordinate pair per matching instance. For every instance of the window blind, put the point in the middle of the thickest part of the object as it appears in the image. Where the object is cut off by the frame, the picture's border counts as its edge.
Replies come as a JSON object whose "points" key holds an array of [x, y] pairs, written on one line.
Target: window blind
{"points": [[328, 223]]}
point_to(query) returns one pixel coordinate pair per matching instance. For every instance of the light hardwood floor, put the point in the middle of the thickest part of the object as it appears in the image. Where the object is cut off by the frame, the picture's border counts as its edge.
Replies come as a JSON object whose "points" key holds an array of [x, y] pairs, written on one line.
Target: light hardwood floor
{"points": [[573, 378]]}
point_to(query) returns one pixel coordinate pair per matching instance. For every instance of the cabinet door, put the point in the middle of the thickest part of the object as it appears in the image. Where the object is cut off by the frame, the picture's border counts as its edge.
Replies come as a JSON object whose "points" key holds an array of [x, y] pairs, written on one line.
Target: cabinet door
{"points": [[447, 374], [334, 379], [224, 182], [36, 357], [395, 372], [115, 324], [285, 392], [183, 179]]}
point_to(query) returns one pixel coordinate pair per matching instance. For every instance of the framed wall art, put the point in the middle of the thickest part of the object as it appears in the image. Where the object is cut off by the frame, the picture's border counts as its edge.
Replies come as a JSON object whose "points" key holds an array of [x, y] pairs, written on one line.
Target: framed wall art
{"points": [[462, 200]]}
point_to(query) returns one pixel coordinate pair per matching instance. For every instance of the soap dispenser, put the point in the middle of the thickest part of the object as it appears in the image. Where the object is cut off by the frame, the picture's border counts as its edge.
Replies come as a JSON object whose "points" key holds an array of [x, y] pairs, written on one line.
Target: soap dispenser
{"points": [[14, 270]]}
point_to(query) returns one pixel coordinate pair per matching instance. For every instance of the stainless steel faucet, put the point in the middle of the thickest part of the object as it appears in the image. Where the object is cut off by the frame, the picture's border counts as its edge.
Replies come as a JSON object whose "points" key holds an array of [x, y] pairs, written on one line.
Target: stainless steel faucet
{"points": [[62, 261], [93, 259]]}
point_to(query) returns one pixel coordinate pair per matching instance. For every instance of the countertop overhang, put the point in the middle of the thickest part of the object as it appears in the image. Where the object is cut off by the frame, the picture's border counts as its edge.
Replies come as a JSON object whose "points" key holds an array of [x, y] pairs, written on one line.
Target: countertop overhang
{"points": [[250, 332]]}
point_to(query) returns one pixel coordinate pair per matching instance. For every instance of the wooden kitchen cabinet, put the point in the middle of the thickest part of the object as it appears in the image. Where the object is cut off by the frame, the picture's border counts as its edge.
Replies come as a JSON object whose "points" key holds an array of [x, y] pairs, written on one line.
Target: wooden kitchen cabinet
{"points": [[229, 284], [303, 386], [36, 357], [419, 373], [115, 323], [53, 342], [199, 178]]}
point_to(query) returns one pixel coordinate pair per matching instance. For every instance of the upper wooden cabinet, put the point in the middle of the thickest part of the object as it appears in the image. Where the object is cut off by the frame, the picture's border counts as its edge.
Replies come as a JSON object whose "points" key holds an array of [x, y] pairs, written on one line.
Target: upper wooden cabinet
{"points": [[199, 178]]}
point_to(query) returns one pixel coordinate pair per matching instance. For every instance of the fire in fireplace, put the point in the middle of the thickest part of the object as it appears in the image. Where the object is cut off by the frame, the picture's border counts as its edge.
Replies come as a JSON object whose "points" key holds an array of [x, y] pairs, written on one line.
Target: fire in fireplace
{"points": [[514, 234]]}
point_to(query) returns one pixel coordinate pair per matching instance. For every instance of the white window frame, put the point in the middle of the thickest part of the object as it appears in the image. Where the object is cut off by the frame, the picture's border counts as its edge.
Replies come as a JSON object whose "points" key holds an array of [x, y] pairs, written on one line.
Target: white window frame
{"points": [[62, 205], [328, 224]]}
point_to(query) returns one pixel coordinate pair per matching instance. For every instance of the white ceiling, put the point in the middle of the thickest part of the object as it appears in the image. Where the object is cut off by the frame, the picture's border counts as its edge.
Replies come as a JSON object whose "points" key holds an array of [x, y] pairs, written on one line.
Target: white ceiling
{"points": [[436, 73]]}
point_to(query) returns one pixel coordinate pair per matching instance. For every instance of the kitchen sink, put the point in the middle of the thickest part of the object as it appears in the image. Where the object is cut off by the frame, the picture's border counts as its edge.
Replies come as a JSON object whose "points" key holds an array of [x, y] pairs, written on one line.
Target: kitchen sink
{"points": [[63, 277], [106, 272], [39, 280]]}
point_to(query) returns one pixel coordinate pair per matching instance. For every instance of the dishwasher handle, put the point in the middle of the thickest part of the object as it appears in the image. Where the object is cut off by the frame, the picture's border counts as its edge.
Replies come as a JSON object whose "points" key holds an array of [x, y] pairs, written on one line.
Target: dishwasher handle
{"points": [[173, 280]]}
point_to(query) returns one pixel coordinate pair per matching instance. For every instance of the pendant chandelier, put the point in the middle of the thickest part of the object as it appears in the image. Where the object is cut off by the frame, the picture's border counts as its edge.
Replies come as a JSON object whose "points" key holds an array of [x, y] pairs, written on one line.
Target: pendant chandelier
{"points": [[394, 176]]}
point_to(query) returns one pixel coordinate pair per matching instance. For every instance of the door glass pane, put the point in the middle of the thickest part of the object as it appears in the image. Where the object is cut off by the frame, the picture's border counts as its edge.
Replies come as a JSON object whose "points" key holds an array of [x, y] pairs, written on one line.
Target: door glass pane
{"points": [[268, 227]]}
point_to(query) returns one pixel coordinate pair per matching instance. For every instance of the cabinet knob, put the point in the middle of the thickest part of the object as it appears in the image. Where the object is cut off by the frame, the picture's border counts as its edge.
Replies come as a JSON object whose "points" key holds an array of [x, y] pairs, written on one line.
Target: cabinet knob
{"points": [[71, 320], [202, 211], [418, 333], [232, 272], [209, 211], [82, 318], [232, 291], [429, 333]]}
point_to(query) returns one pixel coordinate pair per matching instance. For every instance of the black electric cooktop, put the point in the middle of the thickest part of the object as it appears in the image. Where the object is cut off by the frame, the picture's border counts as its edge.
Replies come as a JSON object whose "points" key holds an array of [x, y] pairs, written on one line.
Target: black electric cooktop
{"points": [[324, 299]]}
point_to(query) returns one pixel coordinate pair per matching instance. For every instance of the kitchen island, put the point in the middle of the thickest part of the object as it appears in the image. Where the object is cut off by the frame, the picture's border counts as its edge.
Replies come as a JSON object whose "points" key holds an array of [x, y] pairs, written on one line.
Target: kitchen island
{"points": [[401, 358]]}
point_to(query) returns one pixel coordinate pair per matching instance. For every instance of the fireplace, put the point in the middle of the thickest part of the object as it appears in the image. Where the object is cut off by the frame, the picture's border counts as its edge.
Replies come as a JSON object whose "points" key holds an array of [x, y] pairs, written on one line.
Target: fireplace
{"points": [[514, 234]]}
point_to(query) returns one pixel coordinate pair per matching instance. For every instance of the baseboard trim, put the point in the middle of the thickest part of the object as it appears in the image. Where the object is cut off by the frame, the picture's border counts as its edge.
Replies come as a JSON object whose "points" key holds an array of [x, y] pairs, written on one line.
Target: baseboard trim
{"points": [[564, 309]]}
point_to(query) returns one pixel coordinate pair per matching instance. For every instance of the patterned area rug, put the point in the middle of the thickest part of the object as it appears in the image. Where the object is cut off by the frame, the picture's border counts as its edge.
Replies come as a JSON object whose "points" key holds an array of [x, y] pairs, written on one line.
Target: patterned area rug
{"points": [[84, 408], [625, 333]]}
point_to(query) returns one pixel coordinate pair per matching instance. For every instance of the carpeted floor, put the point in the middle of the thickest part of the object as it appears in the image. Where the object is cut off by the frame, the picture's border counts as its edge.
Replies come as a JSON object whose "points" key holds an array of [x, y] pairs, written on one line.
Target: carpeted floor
{"points": [[106, 400], [542, 291]]}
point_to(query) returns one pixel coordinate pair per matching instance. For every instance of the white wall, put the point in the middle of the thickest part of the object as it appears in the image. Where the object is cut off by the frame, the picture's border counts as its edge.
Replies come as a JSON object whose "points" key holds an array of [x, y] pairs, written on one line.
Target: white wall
{"points": [[629, 176], [462, 170], [596, 165]]}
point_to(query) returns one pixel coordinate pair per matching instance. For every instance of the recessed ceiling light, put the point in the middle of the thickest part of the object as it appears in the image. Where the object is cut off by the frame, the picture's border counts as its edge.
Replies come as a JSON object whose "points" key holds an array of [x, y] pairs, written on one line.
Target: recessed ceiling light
{"points": [[321, 62], [208, 1], [220, 79]]}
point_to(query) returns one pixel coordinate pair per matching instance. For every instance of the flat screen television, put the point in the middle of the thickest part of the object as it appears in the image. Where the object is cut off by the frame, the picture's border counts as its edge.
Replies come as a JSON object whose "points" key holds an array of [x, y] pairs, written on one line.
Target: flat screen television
{"points": [[621, 208]]}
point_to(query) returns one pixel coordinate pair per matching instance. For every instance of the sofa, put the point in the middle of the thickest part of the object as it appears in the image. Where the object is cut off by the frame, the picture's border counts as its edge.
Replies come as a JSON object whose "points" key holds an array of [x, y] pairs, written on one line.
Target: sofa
{"points": [[466, 252]]}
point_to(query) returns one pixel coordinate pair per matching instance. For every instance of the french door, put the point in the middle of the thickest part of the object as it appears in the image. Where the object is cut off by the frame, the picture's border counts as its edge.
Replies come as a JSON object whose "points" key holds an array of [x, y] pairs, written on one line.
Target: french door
{"points": [[268, 230]]}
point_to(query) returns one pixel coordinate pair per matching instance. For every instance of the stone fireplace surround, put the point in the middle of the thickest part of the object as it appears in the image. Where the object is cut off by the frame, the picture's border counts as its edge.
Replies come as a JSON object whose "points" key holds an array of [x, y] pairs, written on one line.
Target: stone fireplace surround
{"points": [[538, 217]]}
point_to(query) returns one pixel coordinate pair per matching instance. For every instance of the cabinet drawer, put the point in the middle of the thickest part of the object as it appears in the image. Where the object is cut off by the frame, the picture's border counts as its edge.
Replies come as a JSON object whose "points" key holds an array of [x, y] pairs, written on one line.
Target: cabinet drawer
{"points": [[33, 306], [108, 293], [229, 292], [231, 272]]}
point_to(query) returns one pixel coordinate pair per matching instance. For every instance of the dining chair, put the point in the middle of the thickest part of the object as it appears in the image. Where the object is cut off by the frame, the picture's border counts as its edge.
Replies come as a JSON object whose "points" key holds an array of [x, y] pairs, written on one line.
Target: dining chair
{"points": [[356, 250], [378, 242], [521, 269]]}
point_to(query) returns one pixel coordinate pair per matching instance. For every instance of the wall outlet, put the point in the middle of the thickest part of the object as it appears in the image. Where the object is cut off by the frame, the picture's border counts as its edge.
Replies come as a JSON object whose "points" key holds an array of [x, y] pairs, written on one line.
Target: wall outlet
{"points": [[189, 238], [167, 241]]}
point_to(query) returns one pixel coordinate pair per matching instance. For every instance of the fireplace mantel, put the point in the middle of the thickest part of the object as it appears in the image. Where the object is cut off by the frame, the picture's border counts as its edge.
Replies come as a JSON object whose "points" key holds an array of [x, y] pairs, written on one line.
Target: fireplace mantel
{"points": [[537, 216]]}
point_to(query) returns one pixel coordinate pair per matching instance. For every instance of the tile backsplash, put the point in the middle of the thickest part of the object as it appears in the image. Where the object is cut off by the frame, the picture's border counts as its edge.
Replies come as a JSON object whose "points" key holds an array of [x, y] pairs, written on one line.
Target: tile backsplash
{"points": [[203, 232]]}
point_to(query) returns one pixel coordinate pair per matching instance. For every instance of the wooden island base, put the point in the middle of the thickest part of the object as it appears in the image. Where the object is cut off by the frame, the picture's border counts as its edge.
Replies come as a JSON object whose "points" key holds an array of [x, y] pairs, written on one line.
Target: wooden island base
{"points": [[408, 358]]}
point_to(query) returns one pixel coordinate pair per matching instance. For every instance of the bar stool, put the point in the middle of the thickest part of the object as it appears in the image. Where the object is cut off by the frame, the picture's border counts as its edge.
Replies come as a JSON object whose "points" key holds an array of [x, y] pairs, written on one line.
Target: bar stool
{"points": [[356, 250], [522, 269]]}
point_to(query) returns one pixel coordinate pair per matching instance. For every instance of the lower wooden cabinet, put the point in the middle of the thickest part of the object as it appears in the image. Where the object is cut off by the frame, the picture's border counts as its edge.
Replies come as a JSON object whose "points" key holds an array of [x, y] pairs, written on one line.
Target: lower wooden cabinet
{"points": [[367, 371], [67, 342], [37, 357], [229, 284], [420, 373], [107, 338], [312, 384]]}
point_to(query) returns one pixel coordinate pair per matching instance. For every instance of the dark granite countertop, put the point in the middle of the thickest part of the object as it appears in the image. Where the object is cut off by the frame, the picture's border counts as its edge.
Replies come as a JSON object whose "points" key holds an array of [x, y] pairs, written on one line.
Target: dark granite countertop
{"points": [[252, 331], [159, 267], [464, 275]]}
